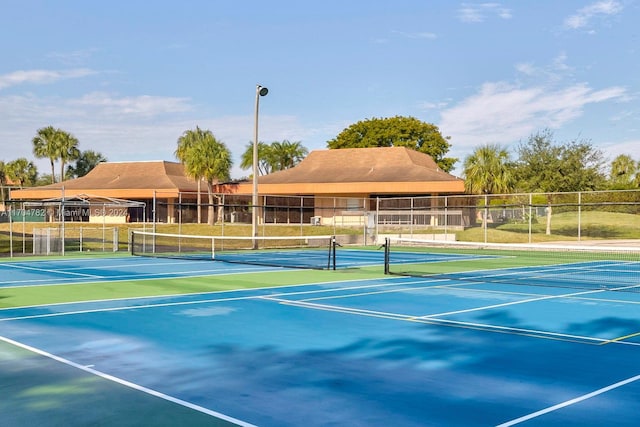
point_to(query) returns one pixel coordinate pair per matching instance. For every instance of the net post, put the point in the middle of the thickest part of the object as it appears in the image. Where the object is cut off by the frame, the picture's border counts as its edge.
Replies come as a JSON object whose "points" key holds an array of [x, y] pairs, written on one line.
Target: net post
{"points": [[131, 252], [333, 250], [386, 255]]}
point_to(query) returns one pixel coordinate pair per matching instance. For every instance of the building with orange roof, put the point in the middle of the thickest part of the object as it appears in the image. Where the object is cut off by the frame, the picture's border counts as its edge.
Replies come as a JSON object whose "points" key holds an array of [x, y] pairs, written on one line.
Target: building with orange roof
{"points": [[334, 179], [145, 181]]}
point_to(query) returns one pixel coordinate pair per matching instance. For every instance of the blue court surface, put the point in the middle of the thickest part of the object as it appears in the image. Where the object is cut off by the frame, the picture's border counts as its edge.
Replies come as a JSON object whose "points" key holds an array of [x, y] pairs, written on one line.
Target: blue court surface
{"points": [[386, 351]]}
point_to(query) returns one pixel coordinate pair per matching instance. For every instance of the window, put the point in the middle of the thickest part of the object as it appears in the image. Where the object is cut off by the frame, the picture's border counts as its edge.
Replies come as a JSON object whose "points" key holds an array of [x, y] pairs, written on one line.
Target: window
{"points": [[354, 204]]}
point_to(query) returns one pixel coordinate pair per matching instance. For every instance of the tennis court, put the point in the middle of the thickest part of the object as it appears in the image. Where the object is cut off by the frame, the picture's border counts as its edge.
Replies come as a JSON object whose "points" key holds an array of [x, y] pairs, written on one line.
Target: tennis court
{"points": [[278, 347]]}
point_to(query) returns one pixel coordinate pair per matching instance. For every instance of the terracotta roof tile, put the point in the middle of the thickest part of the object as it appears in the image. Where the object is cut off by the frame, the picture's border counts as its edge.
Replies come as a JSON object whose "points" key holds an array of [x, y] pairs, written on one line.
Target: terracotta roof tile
{"points": [[383, 164], [131, 175]]}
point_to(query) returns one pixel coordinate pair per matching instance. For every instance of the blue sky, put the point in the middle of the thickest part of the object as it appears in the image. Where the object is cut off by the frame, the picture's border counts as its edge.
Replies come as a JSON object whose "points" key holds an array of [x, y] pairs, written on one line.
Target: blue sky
{"points": [[127, 78]]}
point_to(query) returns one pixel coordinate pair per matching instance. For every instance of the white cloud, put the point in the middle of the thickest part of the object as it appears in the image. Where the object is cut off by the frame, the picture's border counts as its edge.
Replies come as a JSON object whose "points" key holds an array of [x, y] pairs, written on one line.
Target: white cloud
{"points": [[426, 105], [143, 105], [526, 68], [135, 128], [504, 113], [471, 13], [416, 35], [41, 76], [558, 69], [583, 16], [614, 149]]}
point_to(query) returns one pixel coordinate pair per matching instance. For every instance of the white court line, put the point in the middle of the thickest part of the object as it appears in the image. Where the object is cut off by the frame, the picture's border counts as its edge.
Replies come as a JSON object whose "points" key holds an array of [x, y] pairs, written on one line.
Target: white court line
{"points": [[458, 286], [569, 402], [142, 264], [127, 383], [129, 307], [145, 276], [57, 304], [558, 270], [506, 304], [445, 322], [165, 304], [350, 288], [48, 270]]}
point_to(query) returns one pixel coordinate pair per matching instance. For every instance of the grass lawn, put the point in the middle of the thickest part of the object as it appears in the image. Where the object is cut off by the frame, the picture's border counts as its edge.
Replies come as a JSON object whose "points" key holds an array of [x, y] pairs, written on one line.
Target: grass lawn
{"points": [[564, 226]]}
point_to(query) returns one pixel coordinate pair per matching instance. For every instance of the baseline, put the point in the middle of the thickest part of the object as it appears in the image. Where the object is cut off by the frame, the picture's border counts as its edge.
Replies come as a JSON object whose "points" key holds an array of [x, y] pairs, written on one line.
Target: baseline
{"points": [[126, 383], [569, 402]]}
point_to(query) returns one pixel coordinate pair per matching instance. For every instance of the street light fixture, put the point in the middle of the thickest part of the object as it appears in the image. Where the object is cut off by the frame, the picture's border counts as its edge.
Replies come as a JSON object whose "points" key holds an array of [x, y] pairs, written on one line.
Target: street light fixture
{"points": [[260, 91]]}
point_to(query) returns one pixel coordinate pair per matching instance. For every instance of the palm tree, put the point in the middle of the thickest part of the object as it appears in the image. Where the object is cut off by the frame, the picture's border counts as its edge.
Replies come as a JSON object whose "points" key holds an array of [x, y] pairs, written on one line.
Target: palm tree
{"points": [[87, 160], [67, 149], [274, 157], [21, 171], [45, 146], [204, 157], [287, 154], [488, 170], [624, 172], [212, 161], [186, 142], [264, 158]]}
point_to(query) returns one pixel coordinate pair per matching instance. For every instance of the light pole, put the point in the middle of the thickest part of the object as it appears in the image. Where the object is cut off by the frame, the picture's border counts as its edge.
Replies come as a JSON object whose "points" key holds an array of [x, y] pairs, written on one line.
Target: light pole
{"points": [[260, 91]]}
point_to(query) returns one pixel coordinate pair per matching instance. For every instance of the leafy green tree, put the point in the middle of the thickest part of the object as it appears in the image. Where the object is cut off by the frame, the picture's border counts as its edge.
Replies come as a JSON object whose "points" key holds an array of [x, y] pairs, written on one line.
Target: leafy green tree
{"points": [[46, 146], [624, 173], [86, 161], [275, 156], [488, 170], [22, 171], [547, 167], [205, 157], [42, 179], [397, 132]]}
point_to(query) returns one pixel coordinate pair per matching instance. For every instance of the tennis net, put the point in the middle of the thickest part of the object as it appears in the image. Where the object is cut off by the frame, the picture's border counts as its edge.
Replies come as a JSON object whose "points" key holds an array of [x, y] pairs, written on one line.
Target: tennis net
{"points": [[312, 252], [551, 265]]}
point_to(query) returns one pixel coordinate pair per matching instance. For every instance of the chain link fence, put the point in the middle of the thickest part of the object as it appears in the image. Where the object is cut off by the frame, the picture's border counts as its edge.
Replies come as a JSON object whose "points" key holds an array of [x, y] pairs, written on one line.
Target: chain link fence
{"points": [[508, 218]]}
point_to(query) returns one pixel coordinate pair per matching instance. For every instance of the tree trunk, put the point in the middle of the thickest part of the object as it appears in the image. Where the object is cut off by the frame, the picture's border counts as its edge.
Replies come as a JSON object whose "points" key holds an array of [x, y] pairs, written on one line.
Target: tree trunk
{"points": [[210, 216], [199, 207], [220, 210]]}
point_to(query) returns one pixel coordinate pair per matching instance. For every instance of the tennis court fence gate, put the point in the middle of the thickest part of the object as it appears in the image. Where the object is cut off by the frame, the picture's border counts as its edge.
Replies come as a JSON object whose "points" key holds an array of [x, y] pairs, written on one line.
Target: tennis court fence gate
{"points": [[57, 240]]}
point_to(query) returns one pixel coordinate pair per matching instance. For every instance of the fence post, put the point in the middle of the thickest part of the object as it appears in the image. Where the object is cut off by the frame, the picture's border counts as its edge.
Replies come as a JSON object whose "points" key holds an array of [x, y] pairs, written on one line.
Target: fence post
{"points": [[377, 217], [61, 217], [579, 215], [530, 215], [486, 217], [10, 231], [446, 218], [411, 217]]}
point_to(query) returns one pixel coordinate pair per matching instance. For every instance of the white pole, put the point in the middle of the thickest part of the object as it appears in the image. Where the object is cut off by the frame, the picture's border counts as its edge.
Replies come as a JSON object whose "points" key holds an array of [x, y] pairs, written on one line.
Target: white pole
{"points": [[260, 91]]}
